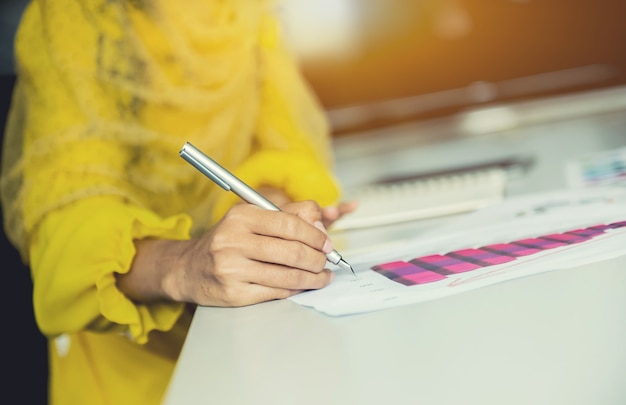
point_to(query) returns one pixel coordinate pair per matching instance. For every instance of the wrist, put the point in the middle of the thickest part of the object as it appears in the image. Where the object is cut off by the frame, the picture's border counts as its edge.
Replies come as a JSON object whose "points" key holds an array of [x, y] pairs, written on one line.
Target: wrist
{"points": [[173, 263], [156, 273]]}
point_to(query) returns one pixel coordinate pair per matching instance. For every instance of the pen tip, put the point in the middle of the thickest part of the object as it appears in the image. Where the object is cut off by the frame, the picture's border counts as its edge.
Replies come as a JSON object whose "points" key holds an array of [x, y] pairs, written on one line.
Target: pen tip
{"points": [[347, 265]]}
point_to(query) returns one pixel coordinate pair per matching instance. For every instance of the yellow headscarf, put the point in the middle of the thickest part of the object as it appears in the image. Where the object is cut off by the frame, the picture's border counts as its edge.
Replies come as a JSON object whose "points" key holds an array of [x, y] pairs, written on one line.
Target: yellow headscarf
{"points": [[109, 90]]}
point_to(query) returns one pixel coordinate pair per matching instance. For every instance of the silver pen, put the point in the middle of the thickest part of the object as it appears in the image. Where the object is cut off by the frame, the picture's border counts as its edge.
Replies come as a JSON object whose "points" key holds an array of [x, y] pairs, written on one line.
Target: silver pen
{"points": [[230, 182]]}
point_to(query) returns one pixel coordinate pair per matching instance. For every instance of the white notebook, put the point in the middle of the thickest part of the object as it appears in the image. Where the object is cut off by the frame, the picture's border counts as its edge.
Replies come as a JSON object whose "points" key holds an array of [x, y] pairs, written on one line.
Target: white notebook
{"points": [[420, 198]]}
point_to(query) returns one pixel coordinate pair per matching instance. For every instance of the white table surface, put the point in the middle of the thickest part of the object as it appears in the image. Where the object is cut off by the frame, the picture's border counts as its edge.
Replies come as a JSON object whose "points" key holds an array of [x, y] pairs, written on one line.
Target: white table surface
{"points": [[549, 339]]}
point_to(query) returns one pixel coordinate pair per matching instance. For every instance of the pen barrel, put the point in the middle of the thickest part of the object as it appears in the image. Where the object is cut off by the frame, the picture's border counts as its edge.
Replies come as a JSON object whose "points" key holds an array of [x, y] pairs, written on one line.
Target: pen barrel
{"points": [[223, 177], [230, 182], [250, 196]]}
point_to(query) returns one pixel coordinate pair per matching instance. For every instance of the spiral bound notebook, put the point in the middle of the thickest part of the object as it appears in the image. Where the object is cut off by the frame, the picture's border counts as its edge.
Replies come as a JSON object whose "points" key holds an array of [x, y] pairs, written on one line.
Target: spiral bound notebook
{"points": [[424, 197]]}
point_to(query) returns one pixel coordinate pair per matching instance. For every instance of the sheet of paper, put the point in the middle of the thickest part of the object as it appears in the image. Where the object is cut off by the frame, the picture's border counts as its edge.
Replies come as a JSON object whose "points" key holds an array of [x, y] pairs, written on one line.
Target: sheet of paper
{"points": [[520, 237]]}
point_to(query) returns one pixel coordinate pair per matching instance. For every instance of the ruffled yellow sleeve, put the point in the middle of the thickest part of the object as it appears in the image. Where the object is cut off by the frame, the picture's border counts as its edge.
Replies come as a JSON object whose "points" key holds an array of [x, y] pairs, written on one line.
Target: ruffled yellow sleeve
{"points": [[75, 254]]}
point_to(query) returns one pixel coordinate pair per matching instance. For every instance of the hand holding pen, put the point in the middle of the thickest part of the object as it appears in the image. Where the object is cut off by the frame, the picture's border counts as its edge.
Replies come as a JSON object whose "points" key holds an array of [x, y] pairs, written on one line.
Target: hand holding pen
{"points": [[251, 255], [229, 182], [255, 253]]}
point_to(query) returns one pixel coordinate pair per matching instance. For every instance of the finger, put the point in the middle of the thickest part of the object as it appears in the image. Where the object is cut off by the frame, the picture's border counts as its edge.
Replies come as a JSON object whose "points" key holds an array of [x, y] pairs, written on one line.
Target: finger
{"points": [[282, 277], [264, 293], [275, 195], [242, 283], [347, 207], [330, 213], [250, 293], [288, 253], [286, 226], [310, 211], [333, 213]]}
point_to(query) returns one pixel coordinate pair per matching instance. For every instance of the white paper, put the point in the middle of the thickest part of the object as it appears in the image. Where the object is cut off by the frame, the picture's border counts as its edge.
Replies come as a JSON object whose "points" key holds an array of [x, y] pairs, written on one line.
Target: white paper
{"points": [[529, 216]]}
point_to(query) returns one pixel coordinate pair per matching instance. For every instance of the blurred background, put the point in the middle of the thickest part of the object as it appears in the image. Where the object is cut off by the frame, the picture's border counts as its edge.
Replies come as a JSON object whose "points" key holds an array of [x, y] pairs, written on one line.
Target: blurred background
{"points": [[401, 60], [375, 62], [379, 63]]}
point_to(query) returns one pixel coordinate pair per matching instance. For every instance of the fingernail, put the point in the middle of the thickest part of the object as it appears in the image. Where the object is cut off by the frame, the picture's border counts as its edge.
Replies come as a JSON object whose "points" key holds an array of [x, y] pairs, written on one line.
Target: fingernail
{"points": [[328, 246], [332, 276], [319, 225]]}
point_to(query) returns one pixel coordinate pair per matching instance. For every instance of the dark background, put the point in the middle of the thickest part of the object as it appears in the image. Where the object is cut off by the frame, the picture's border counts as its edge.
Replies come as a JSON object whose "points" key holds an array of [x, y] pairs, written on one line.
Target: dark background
{"points": [[25, 363]]}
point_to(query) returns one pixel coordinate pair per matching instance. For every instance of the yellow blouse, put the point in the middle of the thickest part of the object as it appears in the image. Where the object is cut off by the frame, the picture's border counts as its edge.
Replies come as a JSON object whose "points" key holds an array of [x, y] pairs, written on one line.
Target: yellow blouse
{"points": [[107, 94]]}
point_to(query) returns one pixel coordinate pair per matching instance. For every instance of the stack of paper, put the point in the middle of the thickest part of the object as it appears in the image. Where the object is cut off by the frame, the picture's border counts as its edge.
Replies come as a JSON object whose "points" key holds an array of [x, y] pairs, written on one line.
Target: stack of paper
{"points": [[520, 237]]}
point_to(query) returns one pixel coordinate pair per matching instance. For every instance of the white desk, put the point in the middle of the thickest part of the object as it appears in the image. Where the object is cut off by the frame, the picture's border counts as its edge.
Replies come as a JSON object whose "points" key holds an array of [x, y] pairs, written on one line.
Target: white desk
{"points": [[550, 339]]}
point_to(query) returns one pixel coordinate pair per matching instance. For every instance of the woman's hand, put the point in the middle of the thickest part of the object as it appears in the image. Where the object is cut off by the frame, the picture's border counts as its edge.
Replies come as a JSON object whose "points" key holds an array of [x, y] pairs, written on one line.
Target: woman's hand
{"points": [[333, 213], [329, 214], [252, 255]]}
